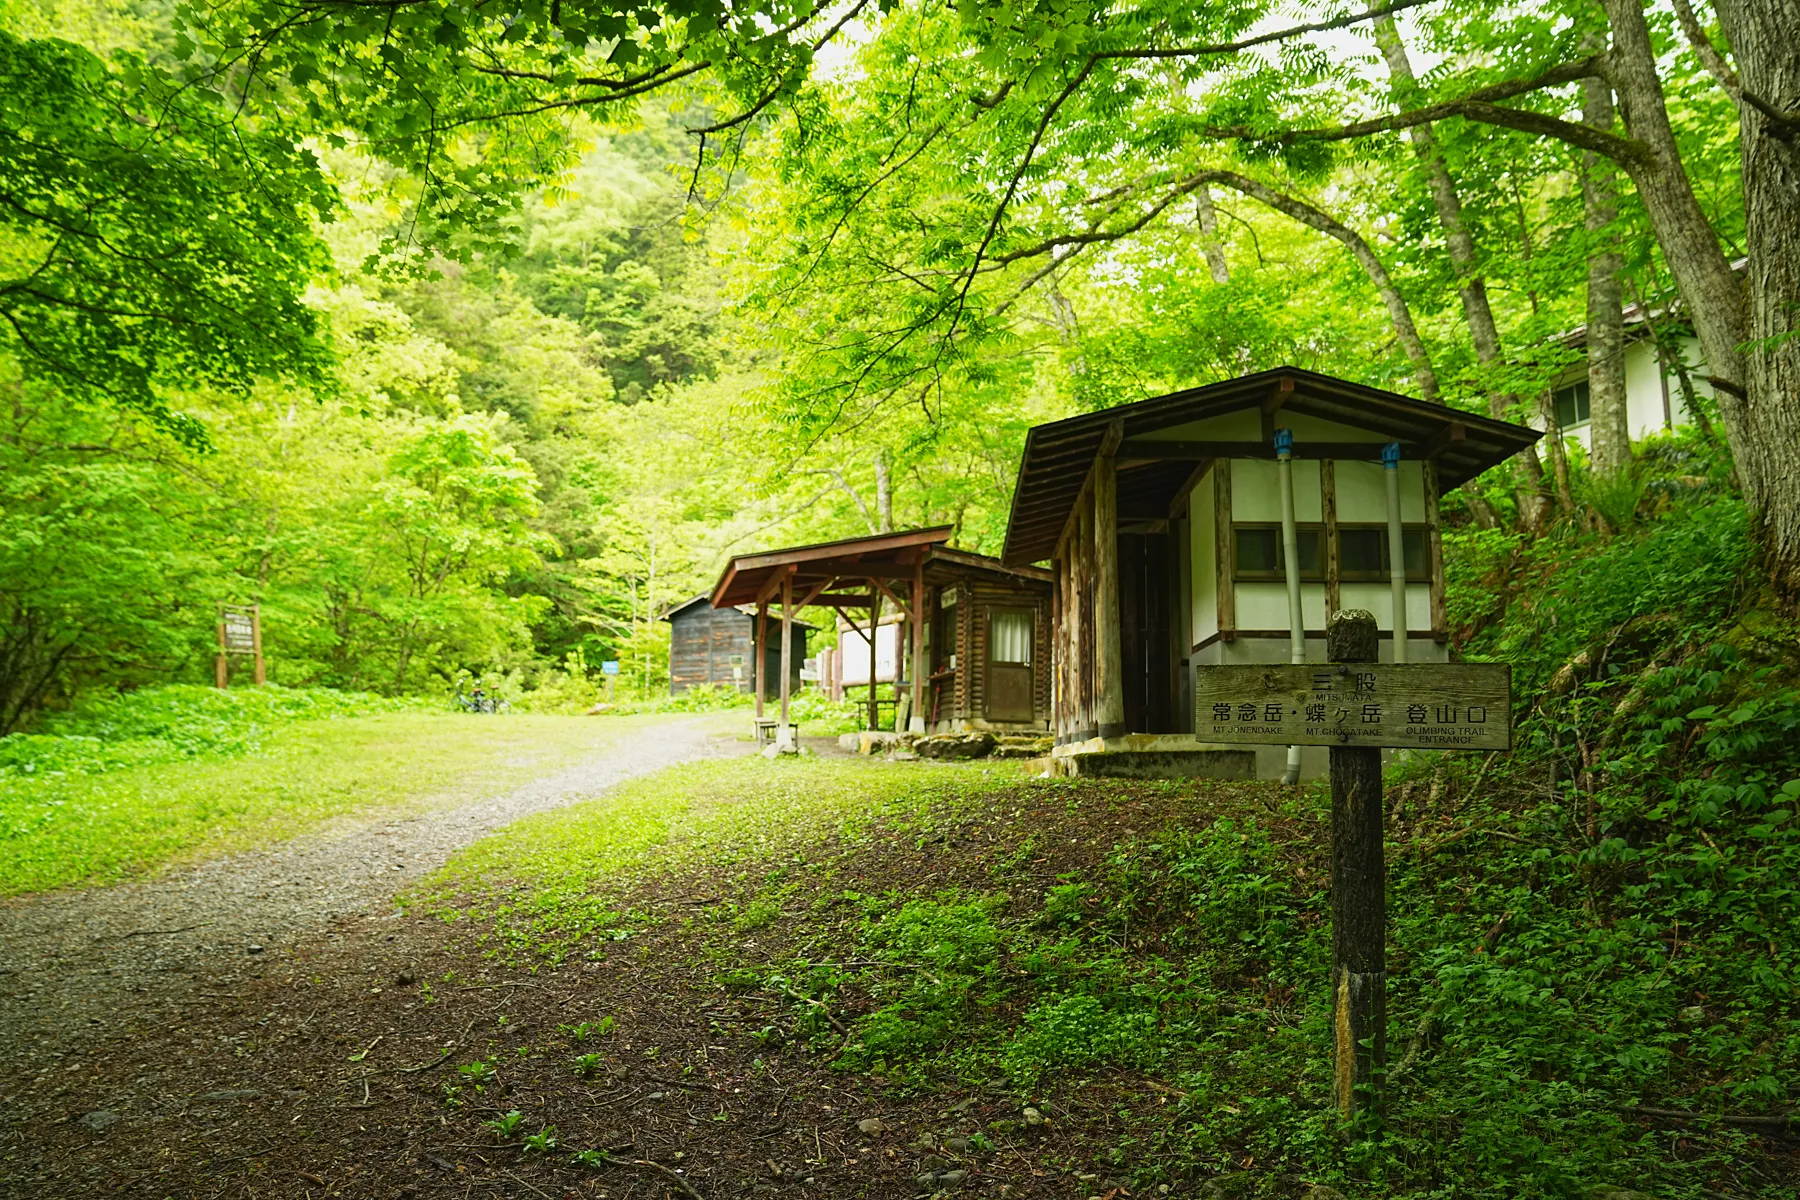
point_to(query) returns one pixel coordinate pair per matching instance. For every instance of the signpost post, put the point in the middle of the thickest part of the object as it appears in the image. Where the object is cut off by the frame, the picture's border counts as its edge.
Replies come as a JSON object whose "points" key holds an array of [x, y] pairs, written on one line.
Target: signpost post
{"points": [[1356, 706], [610, 669], [240, 632]]}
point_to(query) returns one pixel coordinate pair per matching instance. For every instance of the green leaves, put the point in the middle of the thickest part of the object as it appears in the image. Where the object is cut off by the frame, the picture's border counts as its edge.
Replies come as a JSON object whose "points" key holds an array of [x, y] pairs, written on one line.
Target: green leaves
{"points": [[152, 238]]}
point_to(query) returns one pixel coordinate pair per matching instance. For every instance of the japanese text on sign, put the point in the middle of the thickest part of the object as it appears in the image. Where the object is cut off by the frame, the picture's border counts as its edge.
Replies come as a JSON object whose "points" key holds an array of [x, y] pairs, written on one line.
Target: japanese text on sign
{"points": [[239, 625], [1434, 706]]}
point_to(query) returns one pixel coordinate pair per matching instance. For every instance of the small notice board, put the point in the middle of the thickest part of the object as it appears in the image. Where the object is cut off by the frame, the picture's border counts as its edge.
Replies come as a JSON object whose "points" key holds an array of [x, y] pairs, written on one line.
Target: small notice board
{"points": [[238, 628], [1426, 706]]}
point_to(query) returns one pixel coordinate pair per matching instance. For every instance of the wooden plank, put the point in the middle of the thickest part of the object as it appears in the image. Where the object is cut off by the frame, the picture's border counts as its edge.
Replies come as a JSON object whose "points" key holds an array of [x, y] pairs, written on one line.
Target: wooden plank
{"points": [[1426, 706], [787, 652], [761, 647], [1148, 450], [1451, 435], [1328, 501], [1225, 575], [1109, 658], [1434, 551]]}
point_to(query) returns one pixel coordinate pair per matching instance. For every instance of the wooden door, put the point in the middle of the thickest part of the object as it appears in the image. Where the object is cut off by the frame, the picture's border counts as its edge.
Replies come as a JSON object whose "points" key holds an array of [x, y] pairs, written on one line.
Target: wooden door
{"points": [[1145, 584], [1011, 633]]}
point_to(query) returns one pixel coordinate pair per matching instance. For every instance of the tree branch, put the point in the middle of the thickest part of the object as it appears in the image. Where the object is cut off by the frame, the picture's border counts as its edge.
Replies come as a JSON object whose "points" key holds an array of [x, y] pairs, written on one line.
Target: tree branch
{"points": [[1480, 105], [1709, 55]]}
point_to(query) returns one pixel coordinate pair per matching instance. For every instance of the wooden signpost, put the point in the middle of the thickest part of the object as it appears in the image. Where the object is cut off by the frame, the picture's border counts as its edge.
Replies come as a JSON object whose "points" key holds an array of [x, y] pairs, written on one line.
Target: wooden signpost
{"points": [[240, 632], [1356, 706]]}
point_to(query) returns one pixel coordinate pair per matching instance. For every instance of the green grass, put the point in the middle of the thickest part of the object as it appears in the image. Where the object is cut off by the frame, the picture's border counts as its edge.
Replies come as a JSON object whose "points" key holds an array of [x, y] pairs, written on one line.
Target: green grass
{"points": [[551, 880], [96, 829]]}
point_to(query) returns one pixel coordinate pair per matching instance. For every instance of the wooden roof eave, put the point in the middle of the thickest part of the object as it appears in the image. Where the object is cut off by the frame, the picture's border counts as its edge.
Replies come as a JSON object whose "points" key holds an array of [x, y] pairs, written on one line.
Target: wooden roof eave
{"points": [[1042, 501]]}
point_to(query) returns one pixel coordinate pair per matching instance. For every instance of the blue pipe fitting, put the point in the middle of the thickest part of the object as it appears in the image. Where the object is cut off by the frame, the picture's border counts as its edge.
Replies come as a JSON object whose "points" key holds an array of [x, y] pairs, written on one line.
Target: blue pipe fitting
{"points": [[1284, 443], [1390, 456]]}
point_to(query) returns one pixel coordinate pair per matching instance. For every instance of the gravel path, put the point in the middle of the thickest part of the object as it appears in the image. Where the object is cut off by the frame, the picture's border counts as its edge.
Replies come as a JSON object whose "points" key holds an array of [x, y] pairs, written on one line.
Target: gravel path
{"points": [[79, 965]]}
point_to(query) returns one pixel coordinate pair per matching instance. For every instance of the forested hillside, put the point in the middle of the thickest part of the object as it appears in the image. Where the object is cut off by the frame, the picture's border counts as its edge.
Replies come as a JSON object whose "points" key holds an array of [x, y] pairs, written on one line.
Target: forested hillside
{"points": [[474, 360]]}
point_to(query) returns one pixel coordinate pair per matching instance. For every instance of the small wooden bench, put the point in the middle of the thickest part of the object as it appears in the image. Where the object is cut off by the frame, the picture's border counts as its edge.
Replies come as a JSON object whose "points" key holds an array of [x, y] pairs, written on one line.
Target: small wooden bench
{"points": [[766, 728]]}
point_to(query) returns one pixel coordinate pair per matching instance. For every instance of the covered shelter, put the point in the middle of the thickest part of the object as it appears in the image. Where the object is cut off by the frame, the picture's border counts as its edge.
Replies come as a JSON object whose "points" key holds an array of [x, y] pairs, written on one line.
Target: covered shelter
{"points": [[980, 664], [1222, 524], [718, 646]]}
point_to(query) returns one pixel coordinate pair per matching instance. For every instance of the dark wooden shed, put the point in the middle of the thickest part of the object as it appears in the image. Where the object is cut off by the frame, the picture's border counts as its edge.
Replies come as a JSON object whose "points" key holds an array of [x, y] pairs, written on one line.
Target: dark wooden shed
{"points": [[710, 645]]}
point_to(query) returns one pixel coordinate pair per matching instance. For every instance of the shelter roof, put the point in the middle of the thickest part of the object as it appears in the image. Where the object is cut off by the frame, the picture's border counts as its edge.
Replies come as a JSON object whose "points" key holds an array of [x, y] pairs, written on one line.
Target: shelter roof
{"points": [[748, 610], [750, 578], [1152, 472]]}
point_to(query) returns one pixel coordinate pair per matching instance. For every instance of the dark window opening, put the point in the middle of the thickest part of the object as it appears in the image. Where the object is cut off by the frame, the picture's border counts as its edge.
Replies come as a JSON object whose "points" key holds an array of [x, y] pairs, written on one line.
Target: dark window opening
{"points": [[1571, 405], [1363, 553], [1259, 553]]}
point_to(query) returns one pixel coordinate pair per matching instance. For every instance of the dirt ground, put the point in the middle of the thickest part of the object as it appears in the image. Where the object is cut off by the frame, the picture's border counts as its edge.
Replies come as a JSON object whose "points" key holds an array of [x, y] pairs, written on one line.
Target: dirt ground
{"points": [[81, 964], [372, 1056], [325, 1073]]}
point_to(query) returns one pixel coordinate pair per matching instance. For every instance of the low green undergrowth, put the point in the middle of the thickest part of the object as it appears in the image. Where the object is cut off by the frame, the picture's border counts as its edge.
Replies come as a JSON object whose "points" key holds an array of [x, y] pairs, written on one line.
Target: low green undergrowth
{"points": [[176, 723], [552, 883], [96, 819]]}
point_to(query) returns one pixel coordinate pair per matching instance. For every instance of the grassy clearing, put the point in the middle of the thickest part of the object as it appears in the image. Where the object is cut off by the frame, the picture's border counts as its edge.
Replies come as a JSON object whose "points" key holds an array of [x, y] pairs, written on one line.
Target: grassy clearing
{"points": [[99, 828], [1148, 964], [550, 881]]}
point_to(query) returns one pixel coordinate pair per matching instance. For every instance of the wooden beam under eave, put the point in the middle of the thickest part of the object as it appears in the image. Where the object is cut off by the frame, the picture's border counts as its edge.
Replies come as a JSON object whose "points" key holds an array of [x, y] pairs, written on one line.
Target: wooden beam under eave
{"points": [[1145, 450], [1452, 433]]}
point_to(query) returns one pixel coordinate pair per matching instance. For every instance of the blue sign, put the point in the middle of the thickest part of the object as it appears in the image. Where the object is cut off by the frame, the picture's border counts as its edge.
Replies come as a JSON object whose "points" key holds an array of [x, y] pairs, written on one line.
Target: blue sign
{"points": [[610, 667]]}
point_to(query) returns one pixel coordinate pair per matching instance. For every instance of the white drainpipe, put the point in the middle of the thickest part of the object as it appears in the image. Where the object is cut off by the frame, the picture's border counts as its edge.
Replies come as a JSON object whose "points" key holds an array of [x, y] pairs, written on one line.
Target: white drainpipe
{"points": [[1390, 460], [1290, 550]]}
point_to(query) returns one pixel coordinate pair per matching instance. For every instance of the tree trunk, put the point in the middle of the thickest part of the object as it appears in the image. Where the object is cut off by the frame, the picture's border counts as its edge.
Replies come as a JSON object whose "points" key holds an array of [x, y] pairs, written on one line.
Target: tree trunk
{"points": [[1709, 290], [1763, 35], [884, 493], [1553, 450], [1399, 313], [1209, 232], [1609, 426], [1470, 286]]}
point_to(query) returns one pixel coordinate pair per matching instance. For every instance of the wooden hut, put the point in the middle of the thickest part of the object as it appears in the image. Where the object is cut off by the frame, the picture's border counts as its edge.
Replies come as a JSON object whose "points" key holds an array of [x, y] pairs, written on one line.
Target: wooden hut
{"points": [[1170, 523], [975, 631], [710, 645]]}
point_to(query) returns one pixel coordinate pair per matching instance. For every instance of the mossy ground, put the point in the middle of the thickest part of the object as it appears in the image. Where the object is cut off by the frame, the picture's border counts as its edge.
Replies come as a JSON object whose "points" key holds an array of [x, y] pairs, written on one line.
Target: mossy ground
{"points": [[100, 828], [1036, 987]]}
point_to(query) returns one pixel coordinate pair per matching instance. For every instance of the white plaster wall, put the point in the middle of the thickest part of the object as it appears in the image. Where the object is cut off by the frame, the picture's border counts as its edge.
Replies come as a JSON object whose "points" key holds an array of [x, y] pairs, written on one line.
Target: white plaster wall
{"points": [[1644, 384], [1362, 492], [1256, 494], [1378, 598], [1244, 425], [1265, 605], [1309, 428], [1203, 560]]}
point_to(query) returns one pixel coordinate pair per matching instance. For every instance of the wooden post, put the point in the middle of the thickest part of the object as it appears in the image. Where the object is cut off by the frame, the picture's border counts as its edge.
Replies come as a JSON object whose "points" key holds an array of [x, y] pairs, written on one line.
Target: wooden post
{"points": [[919, 722], [1358, 895], [784, 738], [221, 677], [262, 676], [760, 646], [1328, 503], [1224, 547], [1109, 664], [874, 653]]}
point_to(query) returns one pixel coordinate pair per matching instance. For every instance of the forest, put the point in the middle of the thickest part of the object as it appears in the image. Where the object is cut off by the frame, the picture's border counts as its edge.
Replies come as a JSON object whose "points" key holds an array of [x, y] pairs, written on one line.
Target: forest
{"points": [[466, 341], [466, 348]]}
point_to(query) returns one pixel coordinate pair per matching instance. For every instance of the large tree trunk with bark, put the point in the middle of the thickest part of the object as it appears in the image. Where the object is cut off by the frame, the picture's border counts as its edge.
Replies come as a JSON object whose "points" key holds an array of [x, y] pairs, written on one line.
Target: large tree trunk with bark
{"points": [[1609, 427], [1709, 289], [1209, 233], [1484, 333], [1764, 35], [1399, 312]]}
